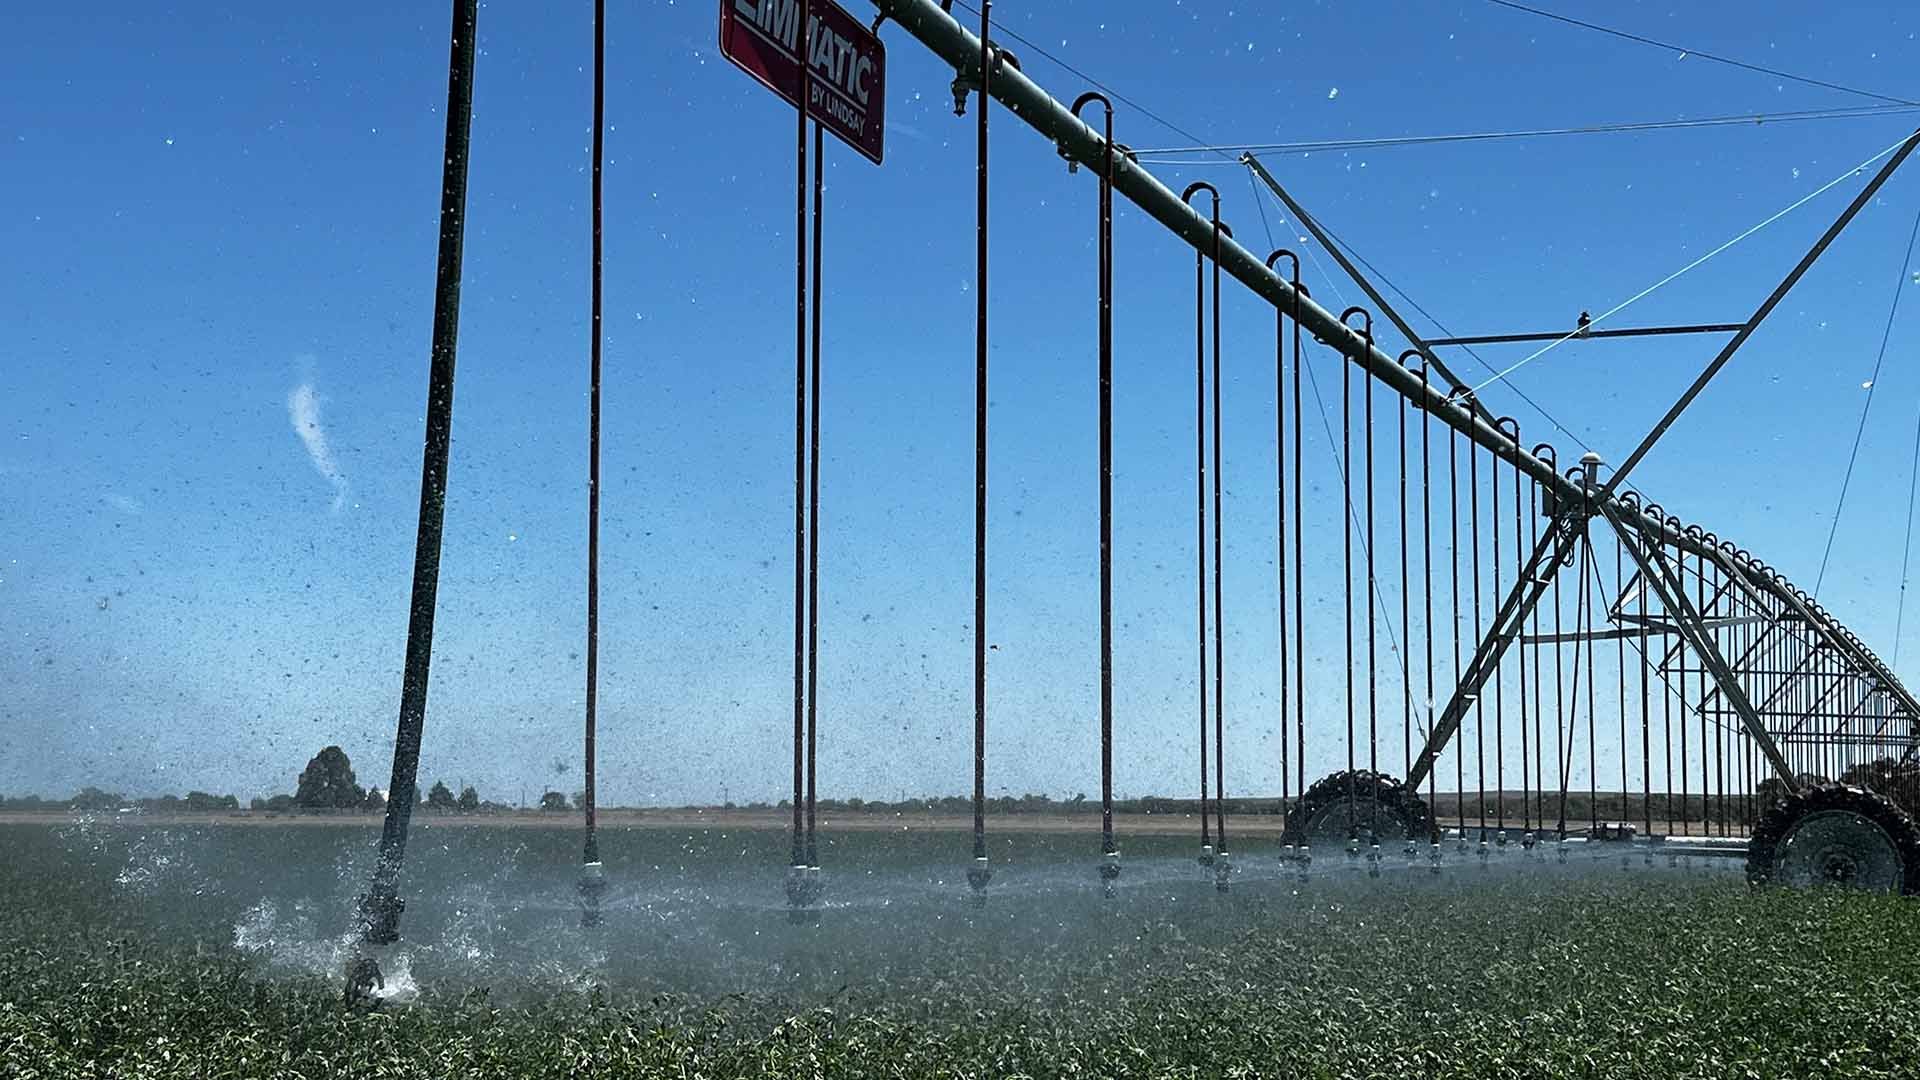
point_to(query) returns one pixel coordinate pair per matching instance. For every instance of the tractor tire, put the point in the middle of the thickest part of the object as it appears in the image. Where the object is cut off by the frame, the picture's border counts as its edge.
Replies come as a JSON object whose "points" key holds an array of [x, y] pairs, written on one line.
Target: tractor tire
{"points": [[1360, 805], [1836, 834]]}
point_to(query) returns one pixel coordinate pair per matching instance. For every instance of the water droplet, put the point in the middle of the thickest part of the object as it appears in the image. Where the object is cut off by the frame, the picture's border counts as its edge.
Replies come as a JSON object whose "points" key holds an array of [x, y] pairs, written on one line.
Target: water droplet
{"points": [[1868, 385], [1332, 93]]}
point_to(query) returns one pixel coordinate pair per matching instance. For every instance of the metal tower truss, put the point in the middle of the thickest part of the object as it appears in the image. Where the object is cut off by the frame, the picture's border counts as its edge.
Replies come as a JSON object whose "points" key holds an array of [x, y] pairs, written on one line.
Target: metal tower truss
{"points": [[1762, 672]]}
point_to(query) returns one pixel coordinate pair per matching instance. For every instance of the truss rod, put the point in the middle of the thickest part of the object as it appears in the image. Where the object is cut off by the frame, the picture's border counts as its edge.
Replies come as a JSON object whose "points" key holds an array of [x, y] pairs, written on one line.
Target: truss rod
{"points": [[1673, 594], [1078, 141], [1766, 308], [1625, 331], [1373, 294]]}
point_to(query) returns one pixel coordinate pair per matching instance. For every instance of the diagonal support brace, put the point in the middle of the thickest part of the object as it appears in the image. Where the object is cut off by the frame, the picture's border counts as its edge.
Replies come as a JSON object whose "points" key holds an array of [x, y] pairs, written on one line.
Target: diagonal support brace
{"points": [[1562, 533], [1674, 596]]}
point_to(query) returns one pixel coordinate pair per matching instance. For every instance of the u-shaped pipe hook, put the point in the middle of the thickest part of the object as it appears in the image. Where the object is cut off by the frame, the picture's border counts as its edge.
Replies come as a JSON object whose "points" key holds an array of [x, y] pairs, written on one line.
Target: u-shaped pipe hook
{"points": [[1106, 135]]}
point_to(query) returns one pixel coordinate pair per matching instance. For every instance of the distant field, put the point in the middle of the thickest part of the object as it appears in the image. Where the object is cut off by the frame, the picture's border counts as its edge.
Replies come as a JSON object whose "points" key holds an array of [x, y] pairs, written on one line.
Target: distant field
{"points": [[199, 952], [1253, 816]]}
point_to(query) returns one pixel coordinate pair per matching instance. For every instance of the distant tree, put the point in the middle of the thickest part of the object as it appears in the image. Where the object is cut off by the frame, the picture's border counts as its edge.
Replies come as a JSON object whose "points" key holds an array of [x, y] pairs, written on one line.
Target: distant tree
{"points": [[441, 798], [375, 802], [469, 800], [92, 798], [327, 783], [553, 800], [580, 800], [281, 804], [201, 802]]}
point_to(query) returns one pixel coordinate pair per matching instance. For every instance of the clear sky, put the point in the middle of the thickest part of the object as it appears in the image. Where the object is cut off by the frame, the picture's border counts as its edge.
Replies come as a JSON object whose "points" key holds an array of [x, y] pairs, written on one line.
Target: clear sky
{"points": [[216, 290]]}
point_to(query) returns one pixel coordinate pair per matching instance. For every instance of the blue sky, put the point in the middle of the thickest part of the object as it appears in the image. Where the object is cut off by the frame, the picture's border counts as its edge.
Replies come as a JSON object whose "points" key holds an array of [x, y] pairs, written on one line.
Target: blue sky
{"points": [[220, 225]]}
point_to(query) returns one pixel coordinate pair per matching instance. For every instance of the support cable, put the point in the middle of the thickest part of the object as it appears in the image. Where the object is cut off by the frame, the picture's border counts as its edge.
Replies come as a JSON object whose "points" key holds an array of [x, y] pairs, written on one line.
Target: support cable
{"points": [[1873, 383], [1649, 290], [1159, 154], [1686, 52], [1906, 547]]}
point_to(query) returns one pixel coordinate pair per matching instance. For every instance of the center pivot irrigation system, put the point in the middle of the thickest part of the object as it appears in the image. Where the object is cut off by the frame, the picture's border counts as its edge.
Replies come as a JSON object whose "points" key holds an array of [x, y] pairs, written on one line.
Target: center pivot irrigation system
{"points": [[1563, 622]]}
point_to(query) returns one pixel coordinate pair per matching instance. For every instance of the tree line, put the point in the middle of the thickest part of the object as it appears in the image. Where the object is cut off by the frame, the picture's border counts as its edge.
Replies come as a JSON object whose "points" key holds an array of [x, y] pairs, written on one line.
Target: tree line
{"points": [[326, 785]]}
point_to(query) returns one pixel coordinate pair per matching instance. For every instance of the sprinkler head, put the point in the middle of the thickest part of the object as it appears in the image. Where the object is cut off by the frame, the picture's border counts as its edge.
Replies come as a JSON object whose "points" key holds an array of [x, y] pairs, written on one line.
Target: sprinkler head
{"points": [[962, 86], [1483, 847], [1109, 873], [800, 892], [1353, 846], [1373, 859], [1306, 861], [1527, 841], [1500, 840], [592, 885], [1222, 869], [1563, 849], [363, 978], [1433, 857], [977, 877], [1206, 855]]}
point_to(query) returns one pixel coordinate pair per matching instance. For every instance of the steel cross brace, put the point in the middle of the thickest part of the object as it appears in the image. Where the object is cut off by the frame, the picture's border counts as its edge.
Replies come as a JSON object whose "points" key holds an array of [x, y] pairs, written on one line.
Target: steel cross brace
{"points": [[1673, 595], [1472, 400], [1565, 530]]}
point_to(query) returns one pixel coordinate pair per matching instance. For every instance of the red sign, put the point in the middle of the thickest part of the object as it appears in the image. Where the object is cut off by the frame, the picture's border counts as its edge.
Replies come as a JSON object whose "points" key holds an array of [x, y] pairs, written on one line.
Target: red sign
{"points": [[849, 63]]}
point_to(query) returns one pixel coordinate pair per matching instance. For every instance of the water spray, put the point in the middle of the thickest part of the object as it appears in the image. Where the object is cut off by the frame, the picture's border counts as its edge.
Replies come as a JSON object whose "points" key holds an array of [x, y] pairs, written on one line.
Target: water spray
{"points": [[592, 886], [978, 875]]}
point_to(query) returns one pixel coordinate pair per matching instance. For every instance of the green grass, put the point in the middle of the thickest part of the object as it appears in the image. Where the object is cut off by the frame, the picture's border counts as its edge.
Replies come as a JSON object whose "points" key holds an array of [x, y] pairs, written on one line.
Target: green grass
{"points": [[1603, 976]]}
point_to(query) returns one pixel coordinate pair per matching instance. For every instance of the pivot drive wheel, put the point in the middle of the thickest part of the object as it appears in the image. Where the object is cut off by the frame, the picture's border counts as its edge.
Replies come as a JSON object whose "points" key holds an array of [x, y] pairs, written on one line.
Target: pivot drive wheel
{"points": [[1836, 834], [1358, 806]]}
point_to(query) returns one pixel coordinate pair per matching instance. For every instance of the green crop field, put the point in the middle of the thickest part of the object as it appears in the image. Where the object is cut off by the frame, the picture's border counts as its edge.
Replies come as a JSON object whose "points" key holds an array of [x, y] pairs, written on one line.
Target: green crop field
{"points": [[173, 953]]}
